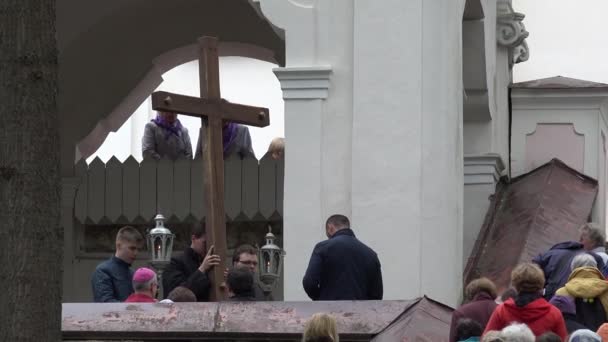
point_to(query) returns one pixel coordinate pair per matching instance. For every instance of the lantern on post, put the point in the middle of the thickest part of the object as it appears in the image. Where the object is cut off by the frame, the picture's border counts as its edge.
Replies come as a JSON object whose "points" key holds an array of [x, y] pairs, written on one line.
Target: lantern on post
{"points": [[271, 259], [160, 244]]}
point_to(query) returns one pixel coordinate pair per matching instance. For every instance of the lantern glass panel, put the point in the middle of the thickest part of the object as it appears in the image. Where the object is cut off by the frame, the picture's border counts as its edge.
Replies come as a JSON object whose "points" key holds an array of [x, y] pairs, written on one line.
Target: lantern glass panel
{"points": [[266, 262], [158, 247], [276, 263]]}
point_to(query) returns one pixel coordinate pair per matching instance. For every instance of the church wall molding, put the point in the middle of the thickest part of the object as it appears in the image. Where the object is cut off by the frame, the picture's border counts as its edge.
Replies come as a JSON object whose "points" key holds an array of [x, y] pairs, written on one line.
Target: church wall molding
{"points": [[483, 168], [305, 82]]}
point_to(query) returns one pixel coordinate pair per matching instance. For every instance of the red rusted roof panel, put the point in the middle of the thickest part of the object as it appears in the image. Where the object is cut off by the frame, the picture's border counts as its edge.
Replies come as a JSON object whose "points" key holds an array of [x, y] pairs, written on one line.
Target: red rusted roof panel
{"points": [[529, 215]]}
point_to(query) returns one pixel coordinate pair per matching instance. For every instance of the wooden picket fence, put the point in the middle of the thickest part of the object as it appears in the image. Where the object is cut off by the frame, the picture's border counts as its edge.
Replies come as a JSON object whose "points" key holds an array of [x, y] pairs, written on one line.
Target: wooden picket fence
{"points": [[133, 192]]}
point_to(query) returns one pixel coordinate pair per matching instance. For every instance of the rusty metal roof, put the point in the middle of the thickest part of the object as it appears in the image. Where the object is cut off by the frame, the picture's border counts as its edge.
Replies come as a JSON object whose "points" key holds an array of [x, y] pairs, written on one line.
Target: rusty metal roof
{"points": [[559, 82], [527, 216], [357, 320]]}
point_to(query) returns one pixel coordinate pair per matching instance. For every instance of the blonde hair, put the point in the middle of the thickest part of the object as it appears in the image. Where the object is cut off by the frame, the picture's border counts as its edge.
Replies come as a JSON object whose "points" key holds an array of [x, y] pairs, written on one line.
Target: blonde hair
{"points": [[277, 145], [321, 328], [527, 277]]}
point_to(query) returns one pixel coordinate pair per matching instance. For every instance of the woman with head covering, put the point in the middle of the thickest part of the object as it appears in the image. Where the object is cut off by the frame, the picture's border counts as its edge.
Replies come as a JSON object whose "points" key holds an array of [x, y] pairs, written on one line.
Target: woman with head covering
{"points": [[165, 137], [589, 289], [528, 307], [235, 138]]}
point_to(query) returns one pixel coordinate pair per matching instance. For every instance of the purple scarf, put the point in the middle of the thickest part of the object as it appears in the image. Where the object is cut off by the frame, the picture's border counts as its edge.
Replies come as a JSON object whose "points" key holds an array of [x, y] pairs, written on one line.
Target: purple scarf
{"points": [[229, 135], [175, 128]]}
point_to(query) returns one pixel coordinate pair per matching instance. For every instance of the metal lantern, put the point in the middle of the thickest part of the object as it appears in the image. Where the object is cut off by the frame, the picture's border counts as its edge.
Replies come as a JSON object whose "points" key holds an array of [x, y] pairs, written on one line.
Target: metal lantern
{"points": [[271, 259], [160, 242]]}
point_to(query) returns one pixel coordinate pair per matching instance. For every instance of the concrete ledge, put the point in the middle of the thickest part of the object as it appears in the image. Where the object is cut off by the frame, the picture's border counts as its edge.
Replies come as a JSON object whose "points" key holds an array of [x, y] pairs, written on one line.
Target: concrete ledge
{"points": [[482, 169], [304, 82]]}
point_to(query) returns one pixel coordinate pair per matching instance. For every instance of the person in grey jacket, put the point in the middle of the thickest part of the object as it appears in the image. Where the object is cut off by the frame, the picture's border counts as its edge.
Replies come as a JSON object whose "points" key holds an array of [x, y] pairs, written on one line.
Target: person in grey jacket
{"points": [[165, 137], [235, 137]]}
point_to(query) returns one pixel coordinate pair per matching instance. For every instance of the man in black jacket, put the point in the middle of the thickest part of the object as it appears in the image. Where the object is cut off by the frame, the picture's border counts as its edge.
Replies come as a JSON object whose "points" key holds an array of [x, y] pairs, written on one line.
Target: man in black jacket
{"points": [[342, 267], [190, 269]]}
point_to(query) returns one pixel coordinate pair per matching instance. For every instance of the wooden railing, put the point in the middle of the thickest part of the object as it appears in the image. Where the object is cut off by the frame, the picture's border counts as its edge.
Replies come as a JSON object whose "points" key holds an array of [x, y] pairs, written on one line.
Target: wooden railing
{"points": [[129, 191]]}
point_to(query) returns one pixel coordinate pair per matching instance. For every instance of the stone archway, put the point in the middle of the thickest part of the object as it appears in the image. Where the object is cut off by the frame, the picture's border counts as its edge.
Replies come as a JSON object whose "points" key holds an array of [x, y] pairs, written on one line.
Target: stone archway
{"points": [[115, 60]]}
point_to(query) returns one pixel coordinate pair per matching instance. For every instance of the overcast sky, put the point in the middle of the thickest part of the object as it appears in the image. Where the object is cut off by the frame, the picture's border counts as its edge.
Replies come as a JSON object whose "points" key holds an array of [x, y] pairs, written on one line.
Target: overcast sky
{"points": [[567, 38]]}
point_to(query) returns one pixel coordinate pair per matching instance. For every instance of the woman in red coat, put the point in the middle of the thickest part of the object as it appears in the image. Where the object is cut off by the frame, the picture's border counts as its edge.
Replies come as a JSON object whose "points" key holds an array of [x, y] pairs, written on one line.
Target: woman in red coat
{"points": [[528, 307]]}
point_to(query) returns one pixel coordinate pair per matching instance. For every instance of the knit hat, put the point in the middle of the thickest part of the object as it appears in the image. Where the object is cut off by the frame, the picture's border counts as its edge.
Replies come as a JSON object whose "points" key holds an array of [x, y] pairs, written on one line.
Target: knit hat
{"points": [[603, 331], [585, 335], [143, 275], [564, 304]]}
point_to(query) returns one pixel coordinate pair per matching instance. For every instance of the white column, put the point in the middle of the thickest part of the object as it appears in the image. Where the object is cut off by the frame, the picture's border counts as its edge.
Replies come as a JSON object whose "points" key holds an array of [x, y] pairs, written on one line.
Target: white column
{"points": [[304, 92]]}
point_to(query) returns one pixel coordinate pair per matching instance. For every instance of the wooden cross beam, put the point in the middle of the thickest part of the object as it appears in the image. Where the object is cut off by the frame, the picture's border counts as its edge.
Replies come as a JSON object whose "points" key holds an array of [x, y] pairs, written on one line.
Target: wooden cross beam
{"points": [[216, 110]]}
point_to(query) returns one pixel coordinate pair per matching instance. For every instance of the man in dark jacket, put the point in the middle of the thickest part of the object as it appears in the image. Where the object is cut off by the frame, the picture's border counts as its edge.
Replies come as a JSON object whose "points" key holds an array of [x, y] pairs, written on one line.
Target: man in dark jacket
{"points": [[190, 268], [481, 294], [555, 264], [111, 280], [342, 267]]}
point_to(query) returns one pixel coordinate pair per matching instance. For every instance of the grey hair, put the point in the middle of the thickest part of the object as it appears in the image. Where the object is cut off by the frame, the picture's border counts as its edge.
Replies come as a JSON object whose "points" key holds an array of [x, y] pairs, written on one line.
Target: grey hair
{"points": [[585, 335], [583, 260], [517, 332], [138, 286], [594, 232]]}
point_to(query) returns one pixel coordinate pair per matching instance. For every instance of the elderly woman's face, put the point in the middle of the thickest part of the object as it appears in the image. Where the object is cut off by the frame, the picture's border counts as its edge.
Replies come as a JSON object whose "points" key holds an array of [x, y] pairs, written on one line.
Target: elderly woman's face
{"points": [[169, 116]]}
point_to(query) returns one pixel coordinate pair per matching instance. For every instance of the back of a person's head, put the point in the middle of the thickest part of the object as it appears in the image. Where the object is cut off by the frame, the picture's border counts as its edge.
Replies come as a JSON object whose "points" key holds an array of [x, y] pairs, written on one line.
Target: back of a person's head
{"points": [[321, 328], [517, 332], [198, 229], [511, 292], [240, 281], [549, 337], [466, 328], [584, 335], [129, 234], [339, 221], [478, 286], [182, 294], [583, 260], [492, 336], [527, 277]]}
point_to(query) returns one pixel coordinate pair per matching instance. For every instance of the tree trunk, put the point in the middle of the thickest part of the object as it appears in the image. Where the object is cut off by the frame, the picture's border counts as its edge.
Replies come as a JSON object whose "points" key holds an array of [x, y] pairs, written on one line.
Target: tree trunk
{"points": [[31, 243]]}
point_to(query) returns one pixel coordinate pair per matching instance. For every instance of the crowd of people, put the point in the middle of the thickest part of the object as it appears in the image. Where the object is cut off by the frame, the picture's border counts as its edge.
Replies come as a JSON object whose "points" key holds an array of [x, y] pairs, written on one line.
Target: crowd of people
{"points": [[561, 295], [166, 137]]}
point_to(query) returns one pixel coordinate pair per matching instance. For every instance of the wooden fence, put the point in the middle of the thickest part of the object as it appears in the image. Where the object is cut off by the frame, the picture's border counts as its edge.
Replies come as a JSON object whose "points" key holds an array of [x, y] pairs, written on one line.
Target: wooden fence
{"points": [[131, 192]]}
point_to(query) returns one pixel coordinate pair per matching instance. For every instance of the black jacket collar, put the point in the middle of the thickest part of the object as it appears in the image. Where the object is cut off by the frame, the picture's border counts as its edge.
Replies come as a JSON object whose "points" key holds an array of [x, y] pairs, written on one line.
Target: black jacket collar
{"points": [[344, 231]]}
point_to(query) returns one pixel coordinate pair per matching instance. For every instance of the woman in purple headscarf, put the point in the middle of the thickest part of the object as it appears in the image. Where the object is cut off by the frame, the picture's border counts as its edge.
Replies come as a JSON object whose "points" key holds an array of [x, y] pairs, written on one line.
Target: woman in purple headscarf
{"points": [[236, 139], [165, 137]]}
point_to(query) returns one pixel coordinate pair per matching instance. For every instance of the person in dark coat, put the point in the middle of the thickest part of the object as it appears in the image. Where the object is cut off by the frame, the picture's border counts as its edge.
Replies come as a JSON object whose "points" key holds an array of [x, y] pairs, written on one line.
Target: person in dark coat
{"points": [[165, 137], [247, 256], [235, 138], [481, 294], [567, 306], [555, 264], [111, 280], [342, 267], [240, 285], [191, 268]]}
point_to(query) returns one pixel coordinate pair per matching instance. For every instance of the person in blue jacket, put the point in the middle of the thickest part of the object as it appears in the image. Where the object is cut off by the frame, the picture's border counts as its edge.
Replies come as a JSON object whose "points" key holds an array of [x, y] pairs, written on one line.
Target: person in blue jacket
{"points": [[112, 279], [342, 267], [555, 264]]}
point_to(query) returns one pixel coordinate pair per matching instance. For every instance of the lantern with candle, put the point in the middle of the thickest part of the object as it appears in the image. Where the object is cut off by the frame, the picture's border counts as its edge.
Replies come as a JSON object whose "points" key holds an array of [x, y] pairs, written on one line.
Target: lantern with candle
{"points": [[160, 244], [271, 257]]}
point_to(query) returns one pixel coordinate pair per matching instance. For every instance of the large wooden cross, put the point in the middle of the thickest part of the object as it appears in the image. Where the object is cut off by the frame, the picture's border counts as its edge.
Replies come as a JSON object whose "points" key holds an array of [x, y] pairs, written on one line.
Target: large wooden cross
{"points": [[213, 111]]}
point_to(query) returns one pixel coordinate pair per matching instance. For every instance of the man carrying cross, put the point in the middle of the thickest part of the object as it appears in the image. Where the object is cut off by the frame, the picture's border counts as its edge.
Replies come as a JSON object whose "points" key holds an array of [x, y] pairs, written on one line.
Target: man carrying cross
{"points": [[214, 112]]}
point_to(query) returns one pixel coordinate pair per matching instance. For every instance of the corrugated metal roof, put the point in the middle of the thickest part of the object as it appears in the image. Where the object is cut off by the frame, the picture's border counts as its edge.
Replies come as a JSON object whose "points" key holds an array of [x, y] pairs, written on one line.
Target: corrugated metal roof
{"points": [[559, 82], [529, 215]]}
